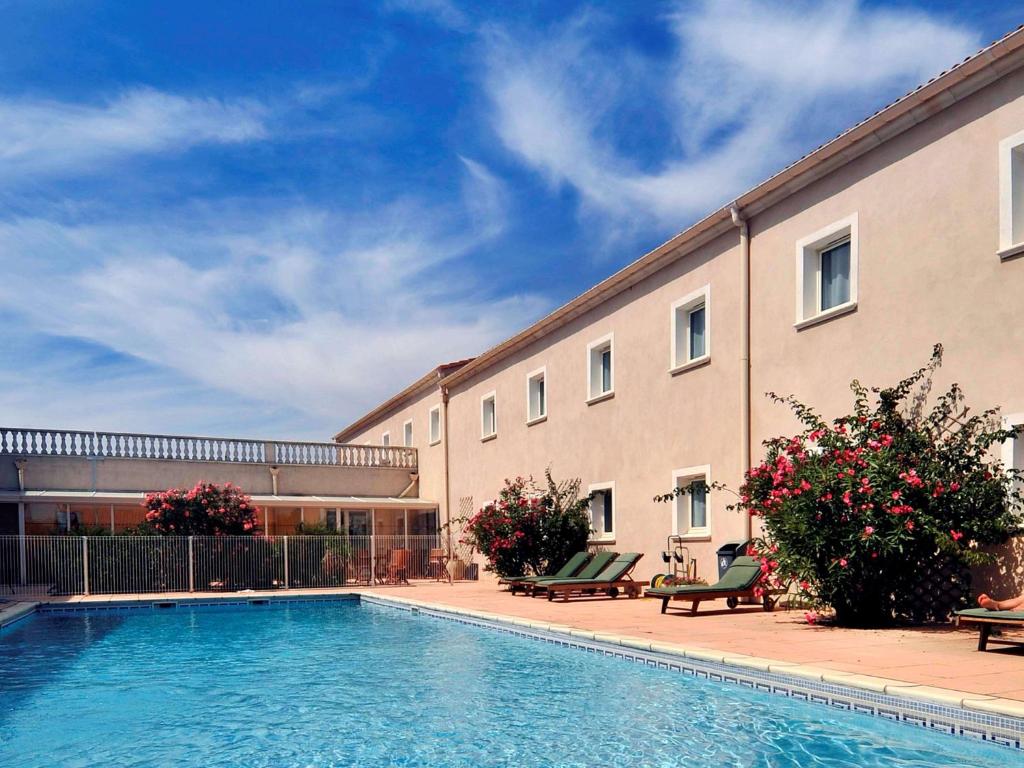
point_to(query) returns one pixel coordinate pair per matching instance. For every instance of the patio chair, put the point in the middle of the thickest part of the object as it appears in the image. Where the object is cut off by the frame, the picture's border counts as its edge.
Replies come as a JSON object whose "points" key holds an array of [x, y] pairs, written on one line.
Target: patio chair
{"points": [[987, 621], [398, 567], [573, 566], [614, 577], [437, 564], [360, 566], [597, 563], [738, 582]]}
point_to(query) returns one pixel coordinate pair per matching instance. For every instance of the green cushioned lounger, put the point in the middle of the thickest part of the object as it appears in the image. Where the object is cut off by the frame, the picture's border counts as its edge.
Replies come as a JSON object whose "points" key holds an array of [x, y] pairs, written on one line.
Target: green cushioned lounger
{"points": [[574, 565], [986, 621], [737, 582], [614, 576]]}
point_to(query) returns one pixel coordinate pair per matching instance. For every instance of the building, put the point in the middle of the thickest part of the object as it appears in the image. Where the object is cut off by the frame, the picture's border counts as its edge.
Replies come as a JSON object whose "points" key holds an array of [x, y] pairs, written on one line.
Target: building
{"points": [[54, 481], [904, 231]]}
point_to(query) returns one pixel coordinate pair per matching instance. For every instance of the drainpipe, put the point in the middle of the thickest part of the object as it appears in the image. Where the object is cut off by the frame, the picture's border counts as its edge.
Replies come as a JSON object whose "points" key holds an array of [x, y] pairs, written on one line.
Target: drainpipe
{"points": [[413, 477], [447, 492], [274, 471], [741, 223]]}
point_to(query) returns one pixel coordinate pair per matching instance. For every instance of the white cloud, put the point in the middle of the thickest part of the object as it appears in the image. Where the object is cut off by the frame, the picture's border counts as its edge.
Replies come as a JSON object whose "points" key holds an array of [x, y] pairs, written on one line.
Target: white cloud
{"points": [[54, 137], [300, 309], [747, 87]]}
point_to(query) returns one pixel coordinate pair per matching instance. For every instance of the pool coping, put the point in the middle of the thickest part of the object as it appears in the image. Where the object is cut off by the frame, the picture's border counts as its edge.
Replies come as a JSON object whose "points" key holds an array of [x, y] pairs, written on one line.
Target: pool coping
{"points": [[958, 713]]}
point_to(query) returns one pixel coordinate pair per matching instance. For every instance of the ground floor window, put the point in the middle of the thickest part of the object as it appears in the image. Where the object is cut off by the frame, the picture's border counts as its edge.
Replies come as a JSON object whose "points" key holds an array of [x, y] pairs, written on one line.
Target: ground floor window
{"points": [[692, 511], [602, 511]]}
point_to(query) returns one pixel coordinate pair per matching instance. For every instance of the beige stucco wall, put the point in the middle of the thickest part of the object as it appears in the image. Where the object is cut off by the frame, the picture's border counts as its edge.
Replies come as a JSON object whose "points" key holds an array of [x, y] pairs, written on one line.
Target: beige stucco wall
{"points": [[927, 204], [109, 474], [927, 208], [431, 457], [654, 424]]}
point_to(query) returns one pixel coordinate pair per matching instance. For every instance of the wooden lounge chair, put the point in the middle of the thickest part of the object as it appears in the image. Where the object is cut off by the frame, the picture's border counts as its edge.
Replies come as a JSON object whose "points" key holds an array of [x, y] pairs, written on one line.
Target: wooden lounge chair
{"points": [[573, 566], [614, 577], [986, 621], [737, 582], [597, 563]]}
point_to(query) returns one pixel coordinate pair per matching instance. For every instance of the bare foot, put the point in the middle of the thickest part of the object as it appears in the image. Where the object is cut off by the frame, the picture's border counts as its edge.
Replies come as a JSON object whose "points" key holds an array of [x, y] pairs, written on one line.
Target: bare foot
{"points": [[987, 602]]}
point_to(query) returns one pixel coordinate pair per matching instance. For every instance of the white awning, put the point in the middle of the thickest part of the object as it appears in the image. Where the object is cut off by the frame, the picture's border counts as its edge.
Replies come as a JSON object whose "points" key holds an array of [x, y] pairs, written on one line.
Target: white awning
{"points": [[117, 497]]}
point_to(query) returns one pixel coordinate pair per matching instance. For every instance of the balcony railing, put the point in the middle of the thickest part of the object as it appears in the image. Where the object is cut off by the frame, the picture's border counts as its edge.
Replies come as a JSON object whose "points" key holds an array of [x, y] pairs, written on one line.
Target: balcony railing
{"points": [[124, 445]]}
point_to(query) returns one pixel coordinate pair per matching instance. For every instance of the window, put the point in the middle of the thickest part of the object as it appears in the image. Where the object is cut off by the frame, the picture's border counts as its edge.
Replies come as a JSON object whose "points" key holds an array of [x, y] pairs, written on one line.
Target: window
{"points": [[407, 434], [1011, 196], [691, 339], [602, 511], [826, 265], [488, 417], [385, 439], [536, 396], [692, 512], [600, 380], [434, 422]]}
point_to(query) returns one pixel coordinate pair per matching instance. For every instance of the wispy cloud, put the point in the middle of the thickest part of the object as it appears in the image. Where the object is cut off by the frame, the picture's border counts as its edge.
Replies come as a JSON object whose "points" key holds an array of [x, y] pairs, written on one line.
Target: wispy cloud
{"points": [[443, 12], [298, 308], [39, 136], [745, 89]]}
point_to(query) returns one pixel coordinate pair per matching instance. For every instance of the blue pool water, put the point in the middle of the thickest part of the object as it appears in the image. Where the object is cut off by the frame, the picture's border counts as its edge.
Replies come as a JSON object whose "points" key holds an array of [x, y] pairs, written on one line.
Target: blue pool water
{"points": [[344, 684]]}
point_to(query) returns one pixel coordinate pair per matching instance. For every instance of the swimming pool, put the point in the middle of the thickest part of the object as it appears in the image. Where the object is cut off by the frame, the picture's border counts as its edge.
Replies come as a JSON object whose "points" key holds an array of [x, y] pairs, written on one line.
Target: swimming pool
{"points": [[344, 683]]}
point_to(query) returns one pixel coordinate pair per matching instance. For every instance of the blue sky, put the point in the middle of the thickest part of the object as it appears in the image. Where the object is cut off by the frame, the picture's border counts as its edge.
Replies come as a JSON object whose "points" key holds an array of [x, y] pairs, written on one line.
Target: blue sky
{"points": [[262, 218]]}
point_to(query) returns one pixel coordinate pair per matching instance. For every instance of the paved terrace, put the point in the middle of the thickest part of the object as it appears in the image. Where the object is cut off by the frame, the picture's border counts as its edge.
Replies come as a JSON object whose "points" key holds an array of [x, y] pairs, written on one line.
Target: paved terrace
{"points": [[936, 662]]}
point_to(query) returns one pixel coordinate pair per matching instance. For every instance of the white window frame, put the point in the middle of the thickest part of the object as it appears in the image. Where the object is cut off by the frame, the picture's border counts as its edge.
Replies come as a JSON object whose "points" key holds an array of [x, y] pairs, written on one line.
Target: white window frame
{"points": [[680, 324], [683, 477], [493, 397], [808, 272], [407, 430], [385, 439], [434, 438], [595, 348], [1011, 164], [531, 377], [606, 537]]}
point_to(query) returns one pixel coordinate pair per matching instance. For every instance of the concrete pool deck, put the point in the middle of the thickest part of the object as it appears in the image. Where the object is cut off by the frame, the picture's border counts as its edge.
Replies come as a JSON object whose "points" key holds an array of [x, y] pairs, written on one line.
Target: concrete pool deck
{"points": [[937, 664]]}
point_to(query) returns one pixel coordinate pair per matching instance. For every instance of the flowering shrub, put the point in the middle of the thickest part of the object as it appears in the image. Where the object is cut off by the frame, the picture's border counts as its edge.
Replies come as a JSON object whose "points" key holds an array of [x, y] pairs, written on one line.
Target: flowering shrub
{"points": [[204, 510], [863, 511], [528, 530]]}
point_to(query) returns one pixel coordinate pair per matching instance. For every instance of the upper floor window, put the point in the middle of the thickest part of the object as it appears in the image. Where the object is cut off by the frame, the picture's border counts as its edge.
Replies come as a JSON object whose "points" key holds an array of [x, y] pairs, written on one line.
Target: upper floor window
{"points": [[692, 512], [600, 379], [602, 511], [691, 339], [385, 439], [407, 434], [826, 264], [488, 417], [536, 396], [1011, 196], [434, 423]]}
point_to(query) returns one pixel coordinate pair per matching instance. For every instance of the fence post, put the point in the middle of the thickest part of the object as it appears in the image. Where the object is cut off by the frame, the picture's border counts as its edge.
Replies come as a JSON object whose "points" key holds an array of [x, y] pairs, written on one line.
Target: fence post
{"points": [[22, 553], [191, 568], [373, 559], [85, 564], [286, 562]]}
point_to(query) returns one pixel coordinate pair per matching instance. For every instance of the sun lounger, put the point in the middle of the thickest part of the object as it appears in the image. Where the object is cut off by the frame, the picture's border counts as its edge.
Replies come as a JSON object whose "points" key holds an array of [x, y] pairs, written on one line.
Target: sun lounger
{"points": [[737, 582], [597, 563], [986, 621], [574, 565], [614, 577]]}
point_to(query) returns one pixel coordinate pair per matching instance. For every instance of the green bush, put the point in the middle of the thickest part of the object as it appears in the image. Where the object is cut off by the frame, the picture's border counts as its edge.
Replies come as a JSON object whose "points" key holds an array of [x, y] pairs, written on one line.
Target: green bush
{"points": [[862, 511], [529, 530]]}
